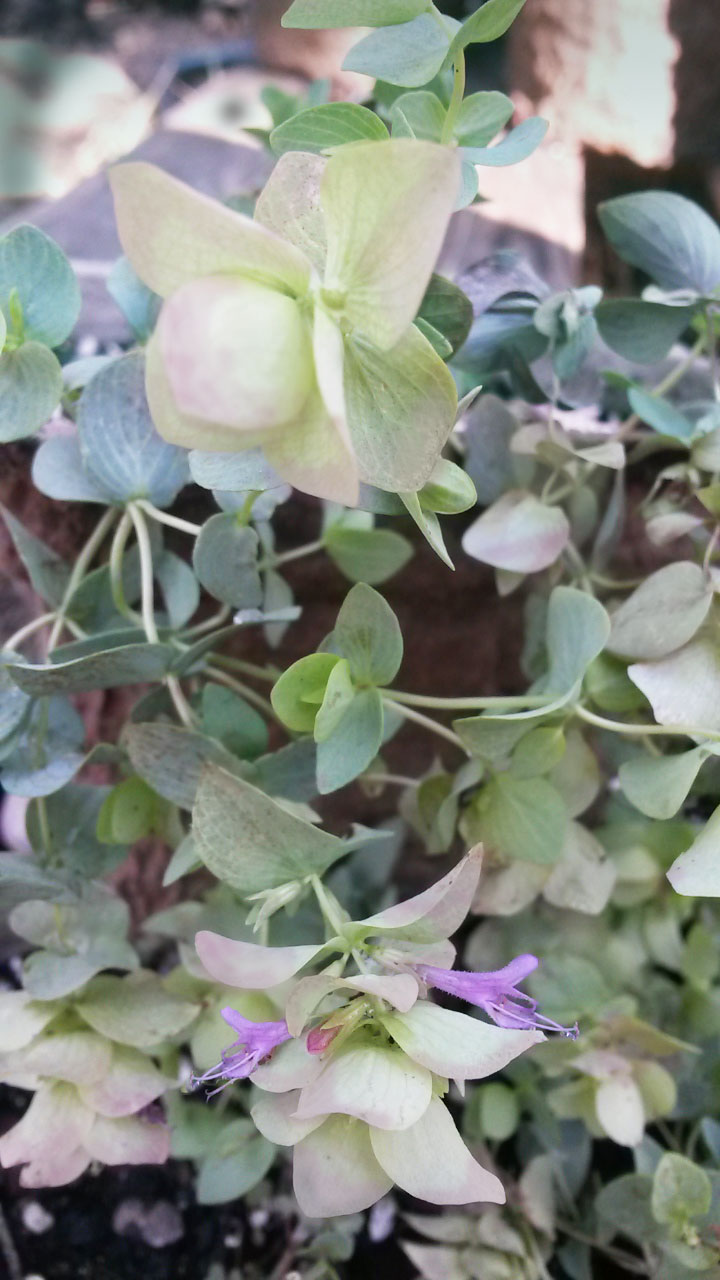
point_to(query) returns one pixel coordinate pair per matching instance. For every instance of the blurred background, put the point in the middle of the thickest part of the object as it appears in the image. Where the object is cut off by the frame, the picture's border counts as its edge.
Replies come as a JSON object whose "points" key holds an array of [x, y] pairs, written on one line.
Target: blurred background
{"points": [[629, 87]]}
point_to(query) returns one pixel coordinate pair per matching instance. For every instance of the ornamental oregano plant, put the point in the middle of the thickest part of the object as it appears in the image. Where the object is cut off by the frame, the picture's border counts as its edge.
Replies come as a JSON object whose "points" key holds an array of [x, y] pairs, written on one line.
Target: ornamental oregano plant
{"points": [[555, 1065]]}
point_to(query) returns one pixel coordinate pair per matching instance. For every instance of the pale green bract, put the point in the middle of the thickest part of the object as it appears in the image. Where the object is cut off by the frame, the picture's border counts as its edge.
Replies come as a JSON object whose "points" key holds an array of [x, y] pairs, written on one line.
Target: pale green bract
{"points": [[294, 331]]}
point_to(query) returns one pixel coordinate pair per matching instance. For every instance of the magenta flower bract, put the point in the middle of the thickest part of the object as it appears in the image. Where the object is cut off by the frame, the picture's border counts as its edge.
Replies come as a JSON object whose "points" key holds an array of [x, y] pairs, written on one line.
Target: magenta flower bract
{"points": [[496, 992], [256, 1042]]}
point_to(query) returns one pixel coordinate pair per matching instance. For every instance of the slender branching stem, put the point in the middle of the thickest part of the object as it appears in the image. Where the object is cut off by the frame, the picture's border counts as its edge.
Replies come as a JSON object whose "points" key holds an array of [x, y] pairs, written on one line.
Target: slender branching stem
{"points": [[147, 605], [208, 624], [248, 668], [243, 691], [24, 633], [665, 385], [164, 517], [469, 704], [117, 553], [458, 93], [643, 730], [390, 779], [85, 558], [286, 557], [416, 717]]}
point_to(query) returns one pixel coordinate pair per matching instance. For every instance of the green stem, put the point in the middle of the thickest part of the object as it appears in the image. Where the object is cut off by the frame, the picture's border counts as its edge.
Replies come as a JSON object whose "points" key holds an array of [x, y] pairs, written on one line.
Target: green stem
{"points": [[713, 351], [390, 779], [627, 1260], [28, 630], [164, 517], [550, 497], [117, 552], [432, 725], [248, 668], [147, 605], [147, 594], [209, 624], [257, 700], [330, 909], [84, 559], [285, 557], [575, 560], [44, 825], [665, 385], [641, 730], [710, 549], [328, 906], [615, 584], [468, 704], [458, 93]]}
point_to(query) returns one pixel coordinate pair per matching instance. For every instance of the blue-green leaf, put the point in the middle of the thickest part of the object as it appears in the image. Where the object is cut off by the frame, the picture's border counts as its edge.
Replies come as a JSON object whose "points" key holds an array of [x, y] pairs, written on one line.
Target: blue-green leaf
{"points": [[667, 236], [660, 415], [58, 472], [410, 54], [489, 22], [448, 310], [126, 664], [367, 555], [36, 270], [641, 331], [353, 745], [47, 572], [48, 753], [139, 305], [419, 114], [249, 842], [120, 447], [368, 635], [577, 630], [225, 561], [517, 145], [481, 117], [236, 472], [30, 389]]}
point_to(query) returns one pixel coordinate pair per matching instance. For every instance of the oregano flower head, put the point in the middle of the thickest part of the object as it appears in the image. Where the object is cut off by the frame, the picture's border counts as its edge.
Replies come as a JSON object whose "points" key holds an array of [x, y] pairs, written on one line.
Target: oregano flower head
{"points": [[496, 992], [255, 1042], [354, 1076], [293, 330]]}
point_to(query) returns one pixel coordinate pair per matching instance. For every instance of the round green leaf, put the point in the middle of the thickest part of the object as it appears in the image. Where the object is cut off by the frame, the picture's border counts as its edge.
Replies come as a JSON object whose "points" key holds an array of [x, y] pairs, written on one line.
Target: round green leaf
{"points": [[120, 447], [35, 268], [225, 561], [410, 54], [30, 389], [313, 14], [298, 694], [522, 818], [662, 614], [319, 129], [681, 1190], [367, 633], [669, 237], [658, 785], [367, 555], [353, 744], [517, 145], [639, 330]]}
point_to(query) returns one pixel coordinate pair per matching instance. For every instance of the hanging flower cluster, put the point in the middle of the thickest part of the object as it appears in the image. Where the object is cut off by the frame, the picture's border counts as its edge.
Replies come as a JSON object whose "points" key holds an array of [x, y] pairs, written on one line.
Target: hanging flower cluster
{"points": [[293, 330], [353, 1077]]}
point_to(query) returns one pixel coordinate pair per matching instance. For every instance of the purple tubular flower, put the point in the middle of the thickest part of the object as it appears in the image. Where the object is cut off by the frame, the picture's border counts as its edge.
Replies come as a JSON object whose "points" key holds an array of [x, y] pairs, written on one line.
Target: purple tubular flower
{"points": [[256, 1042], [496, 992]]}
